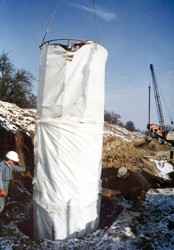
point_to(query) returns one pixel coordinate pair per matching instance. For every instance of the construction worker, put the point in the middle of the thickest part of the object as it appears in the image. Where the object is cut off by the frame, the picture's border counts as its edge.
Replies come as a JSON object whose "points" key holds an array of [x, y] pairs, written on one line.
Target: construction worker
{"points": [[7, 166], [134, 186]]}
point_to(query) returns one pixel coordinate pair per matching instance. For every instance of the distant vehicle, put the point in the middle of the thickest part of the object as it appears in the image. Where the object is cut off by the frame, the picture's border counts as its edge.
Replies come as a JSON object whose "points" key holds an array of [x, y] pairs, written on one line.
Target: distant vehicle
{"points": [[158, 131]]}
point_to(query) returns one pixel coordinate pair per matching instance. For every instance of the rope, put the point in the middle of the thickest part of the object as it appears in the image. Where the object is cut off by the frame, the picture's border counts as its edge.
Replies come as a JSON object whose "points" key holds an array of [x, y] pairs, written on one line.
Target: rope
{"points": [[96, 21], [51, 21], [167, 109], [54, 13]]}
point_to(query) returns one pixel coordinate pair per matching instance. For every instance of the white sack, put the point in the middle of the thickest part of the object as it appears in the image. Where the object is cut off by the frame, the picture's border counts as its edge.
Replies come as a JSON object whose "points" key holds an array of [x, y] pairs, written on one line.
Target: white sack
{"points": [[68, 141], [165, 168]]}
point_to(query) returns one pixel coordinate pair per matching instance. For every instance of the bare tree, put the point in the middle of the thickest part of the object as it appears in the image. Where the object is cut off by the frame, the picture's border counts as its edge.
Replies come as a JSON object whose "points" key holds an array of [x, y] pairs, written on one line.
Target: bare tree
{"points": [[130, 126], [112, 118], [15, 85]]}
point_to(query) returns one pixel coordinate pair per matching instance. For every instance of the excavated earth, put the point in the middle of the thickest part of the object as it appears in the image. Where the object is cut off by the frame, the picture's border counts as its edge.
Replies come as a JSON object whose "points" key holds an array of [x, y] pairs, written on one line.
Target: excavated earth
{"points": [[120, 148]]}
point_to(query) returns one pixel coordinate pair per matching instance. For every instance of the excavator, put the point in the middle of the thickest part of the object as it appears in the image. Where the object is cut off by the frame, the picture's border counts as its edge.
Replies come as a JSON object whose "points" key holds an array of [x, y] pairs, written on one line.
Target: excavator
{"points": [[159, 131]]}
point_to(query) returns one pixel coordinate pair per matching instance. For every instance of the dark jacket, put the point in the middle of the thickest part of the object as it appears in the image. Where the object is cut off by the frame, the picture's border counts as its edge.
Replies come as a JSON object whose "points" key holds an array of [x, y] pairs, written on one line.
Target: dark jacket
{"points": [[133, 185], [134, 180], [130, 188]]}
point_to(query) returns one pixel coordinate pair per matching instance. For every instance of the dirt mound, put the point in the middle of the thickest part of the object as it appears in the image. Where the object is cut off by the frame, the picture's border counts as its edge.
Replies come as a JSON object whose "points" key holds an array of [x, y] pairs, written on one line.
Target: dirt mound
{"points": [[134, 151], [17, 132], [129, 149], [117, 152]]}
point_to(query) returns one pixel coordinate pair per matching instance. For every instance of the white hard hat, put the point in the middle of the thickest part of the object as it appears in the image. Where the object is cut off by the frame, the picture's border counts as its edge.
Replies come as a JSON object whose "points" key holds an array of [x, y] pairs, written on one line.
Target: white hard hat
{"points": [[12, 155], [122, 171]]}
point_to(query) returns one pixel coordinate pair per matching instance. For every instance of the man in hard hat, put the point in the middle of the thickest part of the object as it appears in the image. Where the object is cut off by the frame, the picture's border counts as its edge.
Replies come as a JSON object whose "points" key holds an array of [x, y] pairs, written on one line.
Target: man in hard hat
{"points": [[134, 185], [7, 166]]}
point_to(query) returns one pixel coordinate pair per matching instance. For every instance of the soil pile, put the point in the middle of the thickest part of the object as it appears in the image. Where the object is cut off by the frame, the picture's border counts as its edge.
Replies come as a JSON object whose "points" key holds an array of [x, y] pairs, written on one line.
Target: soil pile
{"points": [[17, 132], [134, 151]]}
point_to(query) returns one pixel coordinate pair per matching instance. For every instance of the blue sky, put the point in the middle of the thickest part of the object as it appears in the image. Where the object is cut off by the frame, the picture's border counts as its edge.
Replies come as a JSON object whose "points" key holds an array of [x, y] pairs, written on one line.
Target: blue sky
{"points": [[136, 33]]}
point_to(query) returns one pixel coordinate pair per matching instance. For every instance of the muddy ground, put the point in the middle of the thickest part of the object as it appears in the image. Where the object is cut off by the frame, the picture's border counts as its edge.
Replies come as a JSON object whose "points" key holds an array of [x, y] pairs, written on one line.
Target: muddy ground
{"points": [[135, 156], [17, 220]]}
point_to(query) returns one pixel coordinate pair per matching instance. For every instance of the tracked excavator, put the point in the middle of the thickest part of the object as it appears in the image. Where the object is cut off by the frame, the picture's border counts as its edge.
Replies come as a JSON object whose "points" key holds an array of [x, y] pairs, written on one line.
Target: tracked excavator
{"points": [[159, 131]]}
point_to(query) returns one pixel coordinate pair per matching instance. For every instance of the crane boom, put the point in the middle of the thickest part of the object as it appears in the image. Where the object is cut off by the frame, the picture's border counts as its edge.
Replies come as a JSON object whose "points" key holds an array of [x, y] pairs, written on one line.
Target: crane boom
{"points": [[159, 132], [157, 97]]}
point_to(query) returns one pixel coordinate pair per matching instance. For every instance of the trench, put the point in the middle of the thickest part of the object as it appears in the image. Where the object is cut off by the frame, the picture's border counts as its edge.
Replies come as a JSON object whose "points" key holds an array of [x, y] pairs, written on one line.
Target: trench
{"points": [[19, 210], [20, 207], [109, 211]]}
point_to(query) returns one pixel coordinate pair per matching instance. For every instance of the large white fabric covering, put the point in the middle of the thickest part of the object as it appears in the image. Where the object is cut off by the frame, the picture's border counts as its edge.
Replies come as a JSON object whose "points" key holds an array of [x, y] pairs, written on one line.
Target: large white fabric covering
{"points": [[68, 141]]}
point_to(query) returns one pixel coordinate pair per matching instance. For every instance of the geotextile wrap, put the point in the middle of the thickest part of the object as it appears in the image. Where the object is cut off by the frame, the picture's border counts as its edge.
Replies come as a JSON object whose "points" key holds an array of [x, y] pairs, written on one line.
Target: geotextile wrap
{"points": [[68, 141]]}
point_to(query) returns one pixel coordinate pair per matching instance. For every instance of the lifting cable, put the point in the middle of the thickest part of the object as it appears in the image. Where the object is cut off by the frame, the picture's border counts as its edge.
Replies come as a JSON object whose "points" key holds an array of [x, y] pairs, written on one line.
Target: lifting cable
{"points": [[51, 21], [165, 103], [96, 24], [53, 16]]}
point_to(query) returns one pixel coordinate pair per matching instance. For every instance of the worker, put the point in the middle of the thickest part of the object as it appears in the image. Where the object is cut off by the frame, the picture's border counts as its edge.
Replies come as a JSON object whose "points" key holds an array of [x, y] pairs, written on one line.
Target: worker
{"points": [[134, 186], [7, 166]]}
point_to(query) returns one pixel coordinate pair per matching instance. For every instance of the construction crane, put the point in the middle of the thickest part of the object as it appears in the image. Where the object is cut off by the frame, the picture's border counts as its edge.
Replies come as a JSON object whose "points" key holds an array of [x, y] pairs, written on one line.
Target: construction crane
{"points": [[157, 97], [158, 131]]}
